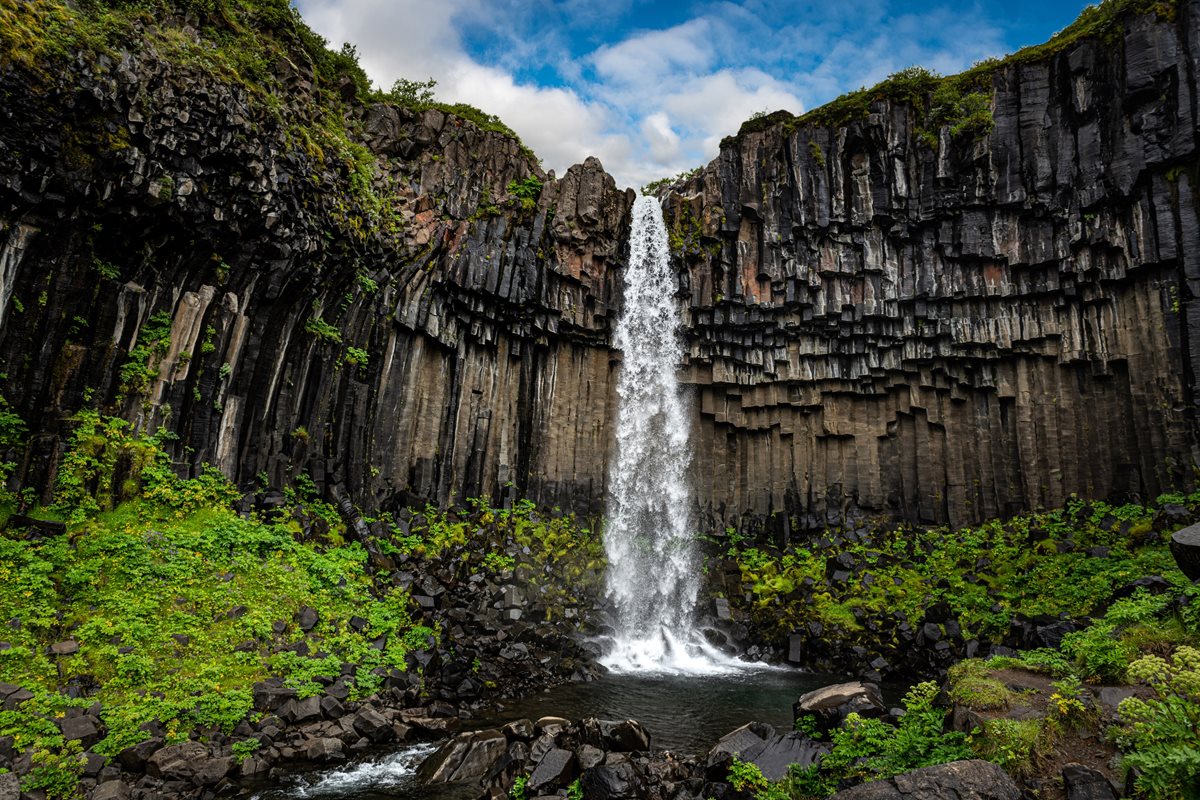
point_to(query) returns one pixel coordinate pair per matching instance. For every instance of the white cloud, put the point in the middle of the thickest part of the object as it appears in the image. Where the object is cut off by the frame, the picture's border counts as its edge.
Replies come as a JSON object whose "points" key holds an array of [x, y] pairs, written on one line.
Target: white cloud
{"points": [[662, 140], [654, 55], [658, 101]]}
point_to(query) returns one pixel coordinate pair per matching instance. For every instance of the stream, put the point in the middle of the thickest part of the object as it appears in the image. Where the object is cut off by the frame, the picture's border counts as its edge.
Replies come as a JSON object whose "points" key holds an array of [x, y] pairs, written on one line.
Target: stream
{"points": [[684, 714]]}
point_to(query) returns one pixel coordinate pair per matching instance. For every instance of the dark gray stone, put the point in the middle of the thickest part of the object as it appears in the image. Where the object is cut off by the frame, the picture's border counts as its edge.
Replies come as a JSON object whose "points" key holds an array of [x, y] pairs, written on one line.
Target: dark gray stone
{"points": [[554, 770], [1084, 783], [325, 749], [960, 780], [467, 758]]}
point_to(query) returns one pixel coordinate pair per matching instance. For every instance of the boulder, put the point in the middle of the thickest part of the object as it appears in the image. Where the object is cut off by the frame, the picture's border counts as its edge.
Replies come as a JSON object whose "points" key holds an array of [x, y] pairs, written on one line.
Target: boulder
{"points": [[554, 770], [134, 757], [177, 761], [519, 729], [612, 782], [759, 744], [67, 648], [270, 696], [832, 704], [1185, 546], [16, 698], [85, 729], [959, 780], [10, 787], [212, 771], [307, 618], [467, 758], [622, 736], [325, 749], [373, 725], [1084, 783], [112, 790]]}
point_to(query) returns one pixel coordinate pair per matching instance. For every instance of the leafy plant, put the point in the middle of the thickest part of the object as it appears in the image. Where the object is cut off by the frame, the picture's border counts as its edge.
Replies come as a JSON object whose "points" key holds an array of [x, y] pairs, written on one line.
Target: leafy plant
{"points": [[153, 341], [245, 748], [498, 562], [526, 191], [322, 329], [1159, 735], [1011, 743], [357, 357]]}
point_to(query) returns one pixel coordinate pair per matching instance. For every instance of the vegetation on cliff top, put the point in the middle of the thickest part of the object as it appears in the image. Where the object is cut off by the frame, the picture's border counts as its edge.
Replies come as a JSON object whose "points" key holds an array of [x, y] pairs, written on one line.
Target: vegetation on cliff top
{"points": [[959, 100], [287, 72]]}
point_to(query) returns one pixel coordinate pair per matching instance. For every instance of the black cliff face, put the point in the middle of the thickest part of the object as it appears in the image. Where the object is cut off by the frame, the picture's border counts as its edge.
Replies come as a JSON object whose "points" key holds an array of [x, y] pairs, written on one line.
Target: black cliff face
{"points": [[958, 328], [876, 325]]}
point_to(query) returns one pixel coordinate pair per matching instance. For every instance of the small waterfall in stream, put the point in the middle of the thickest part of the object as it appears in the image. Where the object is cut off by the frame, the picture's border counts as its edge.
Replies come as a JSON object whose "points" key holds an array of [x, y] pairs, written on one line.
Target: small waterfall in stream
{"points": [[652, 564]]}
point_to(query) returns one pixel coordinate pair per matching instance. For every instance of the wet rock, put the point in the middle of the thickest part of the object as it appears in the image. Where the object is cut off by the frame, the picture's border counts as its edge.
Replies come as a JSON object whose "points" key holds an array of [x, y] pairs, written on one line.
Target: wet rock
{"points": [[551, 725], [960, 780], [554, 770], [467, 758], [759, 744], [325, 749], [832, 704], [625, 736], [519, 729], [612, 782], [1084, 783]]}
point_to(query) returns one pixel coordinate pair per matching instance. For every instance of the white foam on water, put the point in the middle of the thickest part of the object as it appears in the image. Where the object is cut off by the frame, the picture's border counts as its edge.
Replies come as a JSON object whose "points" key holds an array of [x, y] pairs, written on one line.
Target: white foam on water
{"points": [[388, 772], [665, 653]]}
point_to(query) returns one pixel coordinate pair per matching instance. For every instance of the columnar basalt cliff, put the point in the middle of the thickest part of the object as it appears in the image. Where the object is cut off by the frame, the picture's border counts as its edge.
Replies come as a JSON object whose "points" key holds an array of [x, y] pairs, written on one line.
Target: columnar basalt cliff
{"points": [[359, 292], [448, 344], [955, 329]]}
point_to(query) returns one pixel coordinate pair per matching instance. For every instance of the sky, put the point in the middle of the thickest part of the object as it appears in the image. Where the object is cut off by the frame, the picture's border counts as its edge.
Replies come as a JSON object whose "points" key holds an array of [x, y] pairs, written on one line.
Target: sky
{"points": [[651, 87]]}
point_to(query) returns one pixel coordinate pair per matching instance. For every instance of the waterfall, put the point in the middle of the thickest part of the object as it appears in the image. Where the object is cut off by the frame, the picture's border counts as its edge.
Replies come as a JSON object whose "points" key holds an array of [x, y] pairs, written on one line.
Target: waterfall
{"points": [[652, 577]]}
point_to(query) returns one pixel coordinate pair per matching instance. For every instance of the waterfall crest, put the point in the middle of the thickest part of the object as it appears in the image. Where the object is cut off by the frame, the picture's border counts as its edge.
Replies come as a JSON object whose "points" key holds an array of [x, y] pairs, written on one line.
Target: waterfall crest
{"points": [[652, 577]]}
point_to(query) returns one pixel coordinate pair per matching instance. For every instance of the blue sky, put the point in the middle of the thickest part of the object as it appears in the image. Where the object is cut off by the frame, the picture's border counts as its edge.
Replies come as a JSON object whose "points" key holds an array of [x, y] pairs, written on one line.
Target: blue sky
{"points": [[652, 87]]}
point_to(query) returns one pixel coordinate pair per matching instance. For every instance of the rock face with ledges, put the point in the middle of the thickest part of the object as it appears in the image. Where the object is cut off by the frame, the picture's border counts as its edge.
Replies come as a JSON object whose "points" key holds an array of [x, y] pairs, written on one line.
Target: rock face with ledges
{"points": [[479, 326], [875, 325], [957, 332]]}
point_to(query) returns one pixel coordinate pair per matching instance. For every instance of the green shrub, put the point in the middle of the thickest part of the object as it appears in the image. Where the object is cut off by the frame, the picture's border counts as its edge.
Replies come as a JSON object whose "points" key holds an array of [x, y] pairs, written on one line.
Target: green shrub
{"points": [[526, 191], [322, 330], [245, 749], [870, 749], [1012, 743]]}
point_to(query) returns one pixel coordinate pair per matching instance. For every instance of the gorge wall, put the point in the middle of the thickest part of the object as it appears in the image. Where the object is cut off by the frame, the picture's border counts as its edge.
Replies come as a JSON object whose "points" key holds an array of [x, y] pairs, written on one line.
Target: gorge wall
{"points": [[877, 325], [959, 331]]}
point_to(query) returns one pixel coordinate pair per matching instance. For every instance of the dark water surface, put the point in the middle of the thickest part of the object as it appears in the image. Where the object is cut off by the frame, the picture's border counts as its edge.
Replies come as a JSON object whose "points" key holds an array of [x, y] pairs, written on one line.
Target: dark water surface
{"points": [[684, 714]]}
